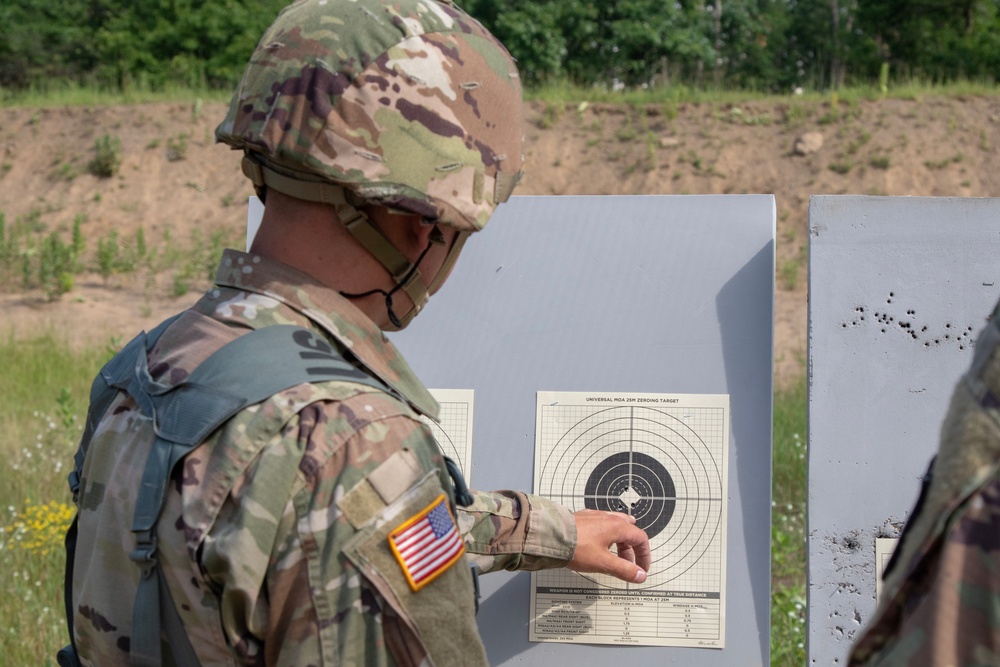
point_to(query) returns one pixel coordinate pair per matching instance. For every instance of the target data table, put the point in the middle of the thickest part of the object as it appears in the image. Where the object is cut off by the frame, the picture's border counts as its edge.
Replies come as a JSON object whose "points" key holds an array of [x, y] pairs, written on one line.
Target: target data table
{"points": [[661, 458]]}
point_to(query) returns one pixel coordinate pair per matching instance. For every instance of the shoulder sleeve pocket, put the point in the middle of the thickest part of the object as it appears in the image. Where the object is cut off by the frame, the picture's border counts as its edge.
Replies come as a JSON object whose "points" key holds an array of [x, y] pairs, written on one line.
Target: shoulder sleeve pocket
{"points": [[412, 554]]}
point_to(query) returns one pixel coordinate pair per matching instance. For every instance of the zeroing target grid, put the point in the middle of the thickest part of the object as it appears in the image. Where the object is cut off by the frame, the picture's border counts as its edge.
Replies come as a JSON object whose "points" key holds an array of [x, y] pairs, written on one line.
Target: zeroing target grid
{"points": [[662, 459], [454, 432]]}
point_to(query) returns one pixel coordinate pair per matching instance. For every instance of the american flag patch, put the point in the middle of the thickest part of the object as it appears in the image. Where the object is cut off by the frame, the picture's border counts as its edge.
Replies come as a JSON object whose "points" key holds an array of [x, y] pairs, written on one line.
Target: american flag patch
{"points": [[427, 543]]}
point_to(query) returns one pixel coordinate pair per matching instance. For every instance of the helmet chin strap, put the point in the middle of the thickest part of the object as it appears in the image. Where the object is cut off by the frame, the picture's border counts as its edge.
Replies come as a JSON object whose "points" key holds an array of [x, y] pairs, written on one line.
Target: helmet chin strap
{"points": [[404, 273], [398, 322], [412, 282]]}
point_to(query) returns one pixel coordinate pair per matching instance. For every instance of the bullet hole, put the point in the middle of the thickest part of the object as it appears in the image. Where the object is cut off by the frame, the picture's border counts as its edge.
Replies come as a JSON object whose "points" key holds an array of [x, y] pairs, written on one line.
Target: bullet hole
{"points": [[910, 327]]}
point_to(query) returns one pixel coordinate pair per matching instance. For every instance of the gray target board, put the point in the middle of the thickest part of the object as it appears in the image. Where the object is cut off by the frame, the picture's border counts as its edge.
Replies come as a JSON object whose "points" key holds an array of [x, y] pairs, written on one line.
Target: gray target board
{"points": [[899, 287], [614, 294]]}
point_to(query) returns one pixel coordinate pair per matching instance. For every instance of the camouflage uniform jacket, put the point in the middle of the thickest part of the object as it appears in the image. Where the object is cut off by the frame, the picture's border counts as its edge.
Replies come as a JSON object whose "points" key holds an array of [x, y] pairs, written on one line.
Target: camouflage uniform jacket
{"points": [[274, 535], [941, 601]]}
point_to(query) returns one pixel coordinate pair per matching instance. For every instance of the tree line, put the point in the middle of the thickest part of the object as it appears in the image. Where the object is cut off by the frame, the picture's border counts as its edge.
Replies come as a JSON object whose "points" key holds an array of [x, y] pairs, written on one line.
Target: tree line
{"points": [[766, 45]]}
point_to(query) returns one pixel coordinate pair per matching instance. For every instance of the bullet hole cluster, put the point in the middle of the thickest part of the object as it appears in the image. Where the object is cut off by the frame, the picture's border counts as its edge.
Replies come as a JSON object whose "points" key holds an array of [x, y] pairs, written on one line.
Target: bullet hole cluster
{"points": [[909, 325]]}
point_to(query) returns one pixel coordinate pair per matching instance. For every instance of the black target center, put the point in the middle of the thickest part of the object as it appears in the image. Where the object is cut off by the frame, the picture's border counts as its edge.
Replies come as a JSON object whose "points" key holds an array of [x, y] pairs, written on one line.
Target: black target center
{"points": [[636, 484]]}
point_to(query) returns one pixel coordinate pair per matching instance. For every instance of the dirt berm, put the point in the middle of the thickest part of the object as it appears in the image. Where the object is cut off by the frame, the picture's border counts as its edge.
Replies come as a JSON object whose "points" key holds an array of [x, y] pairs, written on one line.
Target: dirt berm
{"points": [[173, 178]]}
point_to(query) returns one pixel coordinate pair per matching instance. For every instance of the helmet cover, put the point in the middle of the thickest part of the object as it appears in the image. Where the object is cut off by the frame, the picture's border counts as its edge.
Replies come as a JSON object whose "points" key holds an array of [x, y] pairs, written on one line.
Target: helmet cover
{"points": [[411, 104]]}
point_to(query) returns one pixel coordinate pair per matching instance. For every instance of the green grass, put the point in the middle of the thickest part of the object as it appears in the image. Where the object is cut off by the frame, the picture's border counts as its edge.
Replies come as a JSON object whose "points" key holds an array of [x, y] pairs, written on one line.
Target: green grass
{"points": [[59, 94], [45, 389], [788, 522], [788, 274], [62, 93], [846, 98]]}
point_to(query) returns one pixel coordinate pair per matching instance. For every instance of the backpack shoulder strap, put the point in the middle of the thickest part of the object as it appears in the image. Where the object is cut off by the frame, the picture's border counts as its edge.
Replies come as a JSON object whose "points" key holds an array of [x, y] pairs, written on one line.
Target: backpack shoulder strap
{"points": [[102, 391], [243, 372], [112, 377]]}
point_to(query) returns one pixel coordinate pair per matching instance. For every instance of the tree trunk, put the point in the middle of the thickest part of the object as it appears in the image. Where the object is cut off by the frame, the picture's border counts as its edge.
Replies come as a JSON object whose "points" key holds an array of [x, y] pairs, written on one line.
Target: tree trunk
{"points": [[717, 25], [836, 73], [663, 77]]}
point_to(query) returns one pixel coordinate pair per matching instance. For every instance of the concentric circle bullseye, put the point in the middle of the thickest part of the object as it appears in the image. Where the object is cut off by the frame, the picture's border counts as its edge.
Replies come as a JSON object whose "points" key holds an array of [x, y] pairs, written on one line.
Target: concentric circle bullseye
{"points": [[647, 462], [636, 484]]}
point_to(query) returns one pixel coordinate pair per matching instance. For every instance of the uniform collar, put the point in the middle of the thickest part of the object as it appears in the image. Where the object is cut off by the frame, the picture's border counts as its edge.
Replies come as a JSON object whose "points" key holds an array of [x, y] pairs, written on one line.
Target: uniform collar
{"points": [[327, 310]]}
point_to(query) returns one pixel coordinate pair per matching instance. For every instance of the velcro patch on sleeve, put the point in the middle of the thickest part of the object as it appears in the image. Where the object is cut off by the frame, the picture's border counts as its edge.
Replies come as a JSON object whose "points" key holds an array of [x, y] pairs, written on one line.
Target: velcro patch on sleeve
{"points": [[427, 544], [396, 475]]}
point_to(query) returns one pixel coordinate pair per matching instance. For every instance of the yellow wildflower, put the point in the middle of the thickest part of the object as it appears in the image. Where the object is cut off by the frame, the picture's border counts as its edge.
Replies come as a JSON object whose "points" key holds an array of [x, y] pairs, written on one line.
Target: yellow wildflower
{"points": [[39, 527]]}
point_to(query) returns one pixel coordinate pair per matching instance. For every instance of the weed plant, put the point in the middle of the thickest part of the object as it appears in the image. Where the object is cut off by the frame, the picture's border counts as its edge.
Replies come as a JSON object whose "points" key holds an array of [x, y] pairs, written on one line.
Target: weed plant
{"points": [[650, 151], [550, 115], [941, 164], [177, 148], [31, 257], [107, 156], [883, 161], [841, 167], [55, 266]]}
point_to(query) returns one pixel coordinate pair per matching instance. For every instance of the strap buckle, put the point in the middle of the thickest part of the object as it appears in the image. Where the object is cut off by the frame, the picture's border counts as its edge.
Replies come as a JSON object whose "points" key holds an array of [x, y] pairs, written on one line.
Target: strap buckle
{"points": [[74, 482], [144, 554]]}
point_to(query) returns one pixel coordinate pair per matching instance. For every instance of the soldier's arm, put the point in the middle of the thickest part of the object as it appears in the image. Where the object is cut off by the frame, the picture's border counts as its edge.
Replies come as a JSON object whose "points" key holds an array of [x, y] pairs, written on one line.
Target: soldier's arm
{"points": [[510, 530]]}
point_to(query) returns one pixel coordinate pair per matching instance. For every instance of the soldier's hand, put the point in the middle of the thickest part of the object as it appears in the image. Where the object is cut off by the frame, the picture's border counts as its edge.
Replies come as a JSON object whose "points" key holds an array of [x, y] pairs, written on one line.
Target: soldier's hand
{"points": [[597, 532]]}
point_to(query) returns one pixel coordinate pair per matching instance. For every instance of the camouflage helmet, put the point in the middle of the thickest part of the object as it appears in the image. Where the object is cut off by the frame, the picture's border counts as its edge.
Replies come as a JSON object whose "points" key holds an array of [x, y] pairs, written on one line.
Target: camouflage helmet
{"points": [[411, 104]]}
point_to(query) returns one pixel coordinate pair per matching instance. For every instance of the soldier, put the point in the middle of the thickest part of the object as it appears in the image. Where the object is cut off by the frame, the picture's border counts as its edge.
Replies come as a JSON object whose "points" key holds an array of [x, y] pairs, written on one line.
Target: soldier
{"points": [[320, 525], [941, 601]]}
